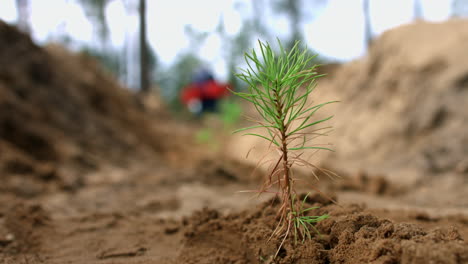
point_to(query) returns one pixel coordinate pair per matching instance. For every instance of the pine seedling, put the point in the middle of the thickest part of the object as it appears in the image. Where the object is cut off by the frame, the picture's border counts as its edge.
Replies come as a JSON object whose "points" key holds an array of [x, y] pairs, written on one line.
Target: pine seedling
{"points": [[279, 87]]}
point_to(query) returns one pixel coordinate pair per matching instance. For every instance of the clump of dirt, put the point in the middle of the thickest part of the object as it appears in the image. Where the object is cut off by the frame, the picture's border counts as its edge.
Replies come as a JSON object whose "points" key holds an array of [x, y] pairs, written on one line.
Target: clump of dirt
{"points": [[62, 116], [351, 235], [26, 225]]}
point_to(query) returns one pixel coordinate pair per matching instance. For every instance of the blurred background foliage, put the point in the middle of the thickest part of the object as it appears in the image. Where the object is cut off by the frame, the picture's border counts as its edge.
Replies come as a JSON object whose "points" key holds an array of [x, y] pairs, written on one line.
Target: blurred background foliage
{"points": [[258, 20]]}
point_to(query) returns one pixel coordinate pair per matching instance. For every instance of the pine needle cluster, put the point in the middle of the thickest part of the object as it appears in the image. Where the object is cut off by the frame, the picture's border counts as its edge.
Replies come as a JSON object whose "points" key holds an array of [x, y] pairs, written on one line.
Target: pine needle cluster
{"points": [[279, 87]]}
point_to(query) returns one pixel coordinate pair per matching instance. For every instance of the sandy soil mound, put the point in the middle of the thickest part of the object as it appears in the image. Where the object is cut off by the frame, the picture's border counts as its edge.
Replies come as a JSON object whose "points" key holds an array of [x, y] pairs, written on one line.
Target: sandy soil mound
{"points": [[402, 113], [61, 116], [403, 105]]}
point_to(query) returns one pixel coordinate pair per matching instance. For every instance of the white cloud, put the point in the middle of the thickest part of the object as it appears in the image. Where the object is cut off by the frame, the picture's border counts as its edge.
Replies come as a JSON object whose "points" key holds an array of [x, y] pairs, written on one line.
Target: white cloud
{"points": [[388, 14], [115, 11], [232, 22], [57, 18], [79, 26], [338, 32], [211, 48], [8, 11], [437, 10]]}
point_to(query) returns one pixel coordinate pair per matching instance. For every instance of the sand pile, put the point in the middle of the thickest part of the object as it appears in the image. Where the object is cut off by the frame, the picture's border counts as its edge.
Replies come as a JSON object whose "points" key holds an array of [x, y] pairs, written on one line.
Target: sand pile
{"points": [[403, 112], [404, 105]]}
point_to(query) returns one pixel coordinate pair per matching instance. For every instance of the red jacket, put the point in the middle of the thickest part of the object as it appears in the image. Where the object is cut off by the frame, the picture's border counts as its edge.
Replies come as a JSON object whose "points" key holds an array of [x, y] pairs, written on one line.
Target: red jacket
{"points": [[209, 90]]}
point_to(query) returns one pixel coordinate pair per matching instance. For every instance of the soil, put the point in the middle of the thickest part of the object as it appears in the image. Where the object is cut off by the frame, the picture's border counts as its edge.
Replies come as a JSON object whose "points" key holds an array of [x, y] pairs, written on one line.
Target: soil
{"points": [[92, 173]]}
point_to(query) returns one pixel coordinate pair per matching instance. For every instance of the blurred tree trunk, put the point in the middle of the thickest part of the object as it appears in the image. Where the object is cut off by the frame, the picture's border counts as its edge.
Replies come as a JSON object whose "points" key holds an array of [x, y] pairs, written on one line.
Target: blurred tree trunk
{"points": [[258, 19], [132, 72], [417, 10], [367, 23], [295, 15], [95, 11], [23, 11], [292, 8], [144, 76], [459, 8]]}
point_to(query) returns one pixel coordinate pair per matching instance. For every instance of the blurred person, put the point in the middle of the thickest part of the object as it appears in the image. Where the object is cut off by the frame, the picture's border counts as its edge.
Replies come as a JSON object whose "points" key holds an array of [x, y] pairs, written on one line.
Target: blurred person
{"points": [[203, 93]]}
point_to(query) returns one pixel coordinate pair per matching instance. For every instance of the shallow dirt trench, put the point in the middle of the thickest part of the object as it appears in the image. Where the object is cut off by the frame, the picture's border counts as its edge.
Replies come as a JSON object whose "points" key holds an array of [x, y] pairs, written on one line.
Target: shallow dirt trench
{"points": [[148, 218]]}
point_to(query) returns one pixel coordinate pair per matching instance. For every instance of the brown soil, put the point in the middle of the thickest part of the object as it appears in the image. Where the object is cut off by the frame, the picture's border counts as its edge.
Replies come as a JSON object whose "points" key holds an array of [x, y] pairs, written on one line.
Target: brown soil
{"points": [[351, 235], [92, 173]]}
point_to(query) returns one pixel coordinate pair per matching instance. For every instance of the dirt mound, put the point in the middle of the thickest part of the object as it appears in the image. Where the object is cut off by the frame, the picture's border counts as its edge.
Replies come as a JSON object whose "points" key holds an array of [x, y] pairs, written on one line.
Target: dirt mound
{"points": [[406, 97], [401, 114], [351, 235], [402, 111], [61, 116]]}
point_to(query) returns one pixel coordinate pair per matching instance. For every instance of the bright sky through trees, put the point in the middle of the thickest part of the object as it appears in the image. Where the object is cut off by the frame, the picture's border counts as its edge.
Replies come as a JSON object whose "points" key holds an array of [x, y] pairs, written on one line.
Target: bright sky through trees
{"points": [[337, 32]]}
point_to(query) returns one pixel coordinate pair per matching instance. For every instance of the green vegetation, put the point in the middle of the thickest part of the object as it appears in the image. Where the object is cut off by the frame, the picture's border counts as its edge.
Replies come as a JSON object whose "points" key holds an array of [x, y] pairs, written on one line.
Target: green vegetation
{"points": [[212, 134], [279, 86], [303, 222], [230, 113]]}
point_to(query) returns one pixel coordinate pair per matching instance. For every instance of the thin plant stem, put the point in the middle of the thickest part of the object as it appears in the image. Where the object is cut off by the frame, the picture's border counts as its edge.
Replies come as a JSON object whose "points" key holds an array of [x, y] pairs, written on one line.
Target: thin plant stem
{"points": [[279, 86]]}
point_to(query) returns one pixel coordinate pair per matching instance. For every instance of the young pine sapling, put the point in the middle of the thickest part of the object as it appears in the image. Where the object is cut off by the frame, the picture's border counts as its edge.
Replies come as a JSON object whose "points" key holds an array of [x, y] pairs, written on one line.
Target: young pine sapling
{"points": [[279, 86]]}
